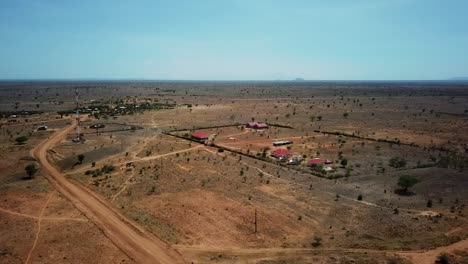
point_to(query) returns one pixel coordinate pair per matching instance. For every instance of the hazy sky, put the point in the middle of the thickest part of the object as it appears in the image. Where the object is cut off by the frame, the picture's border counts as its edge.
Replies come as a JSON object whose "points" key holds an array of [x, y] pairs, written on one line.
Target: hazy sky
{"points": [[232, 40]]}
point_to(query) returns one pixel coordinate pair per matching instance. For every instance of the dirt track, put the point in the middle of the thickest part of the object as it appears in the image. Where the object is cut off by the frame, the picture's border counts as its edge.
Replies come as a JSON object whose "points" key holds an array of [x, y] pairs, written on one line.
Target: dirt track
{"points": [[141, 246]]}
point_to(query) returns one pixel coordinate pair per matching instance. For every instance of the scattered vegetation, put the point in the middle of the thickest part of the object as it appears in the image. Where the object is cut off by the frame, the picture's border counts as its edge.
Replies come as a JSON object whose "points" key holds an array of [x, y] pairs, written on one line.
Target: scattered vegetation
{"points": [[98, 172]]}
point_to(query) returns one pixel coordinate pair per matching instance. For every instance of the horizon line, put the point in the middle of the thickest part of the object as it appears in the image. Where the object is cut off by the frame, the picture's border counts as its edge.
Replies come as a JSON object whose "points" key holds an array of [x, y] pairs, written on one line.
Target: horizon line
{"points": [[298, 80]]}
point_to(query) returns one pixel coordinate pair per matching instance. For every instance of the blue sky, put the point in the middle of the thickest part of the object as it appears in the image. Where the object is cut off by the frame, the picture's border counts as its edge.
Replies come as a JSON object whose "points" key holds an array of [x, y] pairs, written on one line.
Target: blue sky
{"points": [[234, 39]]}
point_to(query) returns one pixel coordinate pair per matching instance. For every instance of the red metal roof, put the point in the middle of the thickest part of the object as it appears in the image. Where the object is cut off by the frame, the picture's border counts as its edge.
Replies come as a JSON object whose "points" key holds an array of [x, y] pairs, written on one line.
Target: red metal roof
{"points": [[257, 125], [200, 135], [281, 152], [316, 161]]}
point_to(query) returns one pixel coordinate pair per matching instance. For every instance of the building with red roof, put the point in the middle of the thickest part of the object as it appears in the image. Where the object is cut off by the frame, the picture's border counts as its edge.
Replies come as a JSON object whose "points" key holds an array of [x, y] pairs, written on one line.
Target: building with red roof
{"points": [[316, 161], [261, 126], [200, 136], [278, 153], [256, 125], [251, 124]]}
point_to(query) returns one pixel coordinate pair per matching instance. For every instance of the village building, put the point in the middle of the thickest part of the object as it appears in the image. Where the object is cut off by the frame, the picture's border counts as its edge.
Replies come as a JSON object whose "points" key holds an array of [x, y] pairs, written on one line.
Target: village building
{"points": [[296, 160], [257, 125], [279, 153], [282, 143], [200, 136], [317, 161]]}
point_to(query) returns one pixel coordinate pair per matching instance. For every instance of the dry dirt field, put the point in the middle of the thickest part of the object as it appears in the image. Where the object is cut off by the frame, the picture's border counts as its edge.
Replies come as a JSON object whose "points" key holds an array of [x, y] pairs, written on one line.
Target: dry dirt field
{"points": [[229, 201]]}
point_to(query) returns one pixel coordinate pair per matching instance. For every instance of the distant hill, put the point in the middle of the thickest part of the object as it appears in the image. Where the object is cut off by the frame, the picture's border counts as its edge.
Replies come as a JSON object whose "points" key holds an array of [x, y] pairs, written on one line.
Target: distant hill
{"points": [[459, 79], [299, 80]]}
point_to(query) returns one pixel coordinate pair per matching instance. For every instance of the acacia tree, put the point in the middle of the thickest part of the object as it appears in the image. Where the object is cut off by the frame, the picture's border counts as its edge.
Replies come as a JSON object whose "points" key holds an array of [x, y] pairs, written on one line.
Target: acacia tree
{"points": [[31, 169], [406, 182]]}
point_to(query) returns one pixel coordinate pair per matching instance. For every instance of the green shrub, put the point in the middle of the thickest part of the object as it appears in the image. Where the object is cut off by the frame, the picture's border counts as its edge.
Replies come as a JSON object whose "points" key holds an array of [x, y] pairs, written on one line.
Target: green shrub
{"points": [[21, 139]]}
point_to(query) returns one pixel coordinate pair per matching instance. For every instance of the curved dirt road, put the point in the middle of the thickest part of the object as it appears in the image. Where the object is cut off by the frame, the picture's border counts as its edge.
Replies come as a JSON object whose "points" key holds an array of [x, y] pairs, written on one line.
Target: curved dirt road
{"points": [[141, 246]]}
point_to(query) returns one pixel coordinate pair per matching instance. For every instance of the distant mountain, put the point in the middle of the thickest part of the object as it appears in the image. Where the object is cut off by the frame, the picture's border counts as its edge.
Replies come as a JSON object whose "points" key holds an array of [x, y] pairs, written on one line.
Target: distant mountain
{"points": [[459, 79], [299, 80]]}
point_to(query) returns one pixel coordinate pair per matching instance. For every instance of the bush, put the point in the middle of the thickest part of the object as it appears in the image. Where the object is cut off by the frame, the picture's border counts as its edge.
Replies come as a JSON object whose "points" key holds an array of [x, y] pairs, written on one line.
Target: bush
{"points": [[442, 259], [429, 203], [344, 162], [22, 139], [31, 170]]}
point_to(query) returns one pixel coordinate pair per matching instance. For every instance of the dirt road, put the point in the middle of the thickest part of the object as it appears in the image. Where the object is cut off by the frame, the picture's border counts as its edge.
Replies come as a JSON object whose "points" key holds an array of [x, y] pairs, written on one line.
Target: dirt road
{"points": [[138, 244]]}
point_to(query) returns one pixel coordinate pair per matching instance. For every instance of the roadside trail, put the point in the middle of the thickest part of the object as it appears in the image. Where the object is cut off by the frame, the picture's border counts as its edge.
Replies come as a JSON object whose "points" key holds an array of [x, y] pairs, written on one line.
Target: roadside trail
{"points": [[160, 156], [138, 244]]}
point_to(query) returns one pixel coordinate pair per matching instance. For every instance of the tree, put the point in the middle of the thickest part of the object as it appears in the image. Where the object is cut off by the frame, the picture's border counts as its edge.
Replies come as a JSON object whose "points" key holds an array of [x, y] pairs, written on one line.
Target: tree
{"points": [[80, 158], [30, 170], [21, 139], [345, 115], [344, 162], [429, 203], [406, 182]]}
